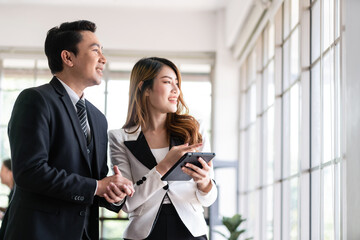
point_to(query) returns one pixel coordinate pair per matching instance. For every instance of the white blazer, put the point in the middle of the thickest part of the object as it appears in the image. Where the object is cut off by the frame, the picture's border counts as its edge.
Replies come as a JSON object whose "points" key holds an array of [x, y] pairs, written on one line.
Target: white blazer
{"points": [[131, 153]]}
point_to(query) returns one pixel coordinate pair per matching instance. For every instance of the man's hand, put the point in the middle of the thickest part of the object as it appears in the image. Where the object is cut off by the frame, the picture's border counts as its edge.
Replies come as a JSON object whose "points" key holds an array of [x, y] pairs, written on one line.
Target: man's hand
{"points": [[115, 188]]}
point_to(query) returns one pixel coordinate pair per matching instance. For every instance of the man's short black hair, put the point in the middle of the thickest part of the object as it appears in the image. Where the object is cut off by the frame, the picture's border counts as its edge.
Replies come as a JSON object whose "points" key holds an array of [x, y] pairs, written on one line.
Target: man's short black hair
{"points": [[64, 37], [7, 163]]}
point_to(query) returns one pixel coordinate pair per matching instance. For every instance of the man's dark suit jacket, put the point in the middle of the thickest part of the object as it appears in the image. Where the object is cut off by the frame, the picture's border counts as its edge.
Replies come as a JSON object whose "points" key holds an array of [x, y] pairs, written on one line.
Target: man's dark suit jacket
{"points": [[55, 181]]}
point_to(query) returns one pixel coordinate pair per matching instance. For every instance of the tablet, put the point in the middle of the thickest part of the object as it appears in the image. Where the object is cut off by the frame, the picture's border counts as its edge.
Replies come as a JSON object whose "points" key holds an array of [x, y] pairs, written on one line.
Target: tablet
{"points": [[176, 174]]}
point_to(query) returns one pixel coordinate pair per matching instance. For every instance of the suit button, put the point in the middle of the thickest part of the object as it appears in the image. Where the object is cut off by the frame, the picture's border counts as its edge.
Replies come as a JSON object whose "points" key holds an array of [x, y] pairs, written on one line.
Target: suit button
{"points": [[82, 213], [166, 187], [143, 178], [81, 198], [88, 151]]}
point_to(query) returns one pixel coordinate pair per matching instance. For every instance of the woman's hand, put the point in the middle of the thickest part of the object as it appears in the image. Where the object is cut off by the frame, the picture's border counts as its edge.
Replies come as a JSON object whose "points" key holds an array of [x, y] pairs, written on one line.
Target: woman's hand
{"points": [[200, 175], [174, 155]]}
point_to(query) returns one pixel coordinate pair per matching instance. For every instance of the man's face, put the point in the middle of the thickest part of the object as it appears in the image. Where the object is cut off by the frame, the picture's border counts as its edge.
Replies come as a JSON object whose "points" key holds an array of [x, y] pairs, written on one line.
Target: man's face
{"points": [[5, 175], [89, 62]]}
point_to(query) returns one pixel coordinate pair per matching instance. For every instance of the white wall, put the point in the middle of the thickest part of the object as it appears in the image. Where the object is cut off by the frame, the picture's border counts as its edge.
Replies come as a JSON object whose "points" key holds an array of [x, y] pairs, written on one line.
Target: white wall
{"points": [[235, 19], [124, 29]]}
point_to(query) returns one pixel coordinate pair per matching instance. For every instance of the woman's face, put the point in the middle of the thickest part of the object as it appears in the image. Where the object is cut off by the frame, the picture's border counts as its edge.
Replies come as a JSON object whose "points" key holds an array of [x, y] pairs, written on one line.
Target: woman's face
{"points": [[163, 96]]}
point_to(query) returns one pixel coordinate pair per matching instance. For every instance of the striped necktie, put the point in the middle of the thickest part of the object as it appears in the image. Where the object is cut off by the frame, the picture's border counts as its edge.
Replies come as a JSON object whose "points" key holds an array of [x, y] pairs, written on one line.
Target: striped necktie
{"points": [[81, 112]]}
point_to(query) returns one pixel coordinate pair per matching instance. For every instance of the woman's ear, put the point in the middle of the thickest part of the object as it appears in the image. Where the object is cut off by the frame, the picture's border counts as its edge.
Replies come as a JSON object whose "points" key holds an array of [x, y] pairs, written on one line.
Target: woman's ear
{"points": [[146, 93], [67, 58], [140, 85]]}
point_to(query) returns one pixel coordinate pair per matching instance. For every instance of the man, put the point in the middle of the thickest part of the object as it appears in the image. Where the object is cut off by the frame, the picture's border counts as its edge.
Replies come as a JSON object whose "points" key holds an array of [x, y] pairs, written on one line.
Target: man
{"points": [[6, 176], [59, 146]]}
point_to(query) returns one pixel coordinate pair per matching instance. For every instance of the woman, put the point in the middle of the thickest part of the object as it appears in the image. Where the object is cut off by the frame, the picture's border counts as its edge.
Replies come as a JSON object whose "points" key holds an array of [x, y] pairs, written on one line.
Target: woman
{"points": [[157, 121]]}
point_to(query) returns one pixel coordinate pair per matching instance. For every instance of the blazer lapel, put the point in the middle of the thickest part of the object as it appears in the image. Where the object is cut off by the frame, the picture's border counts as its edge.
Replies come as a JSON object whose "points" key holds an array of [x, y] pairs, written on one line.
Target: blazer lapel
{"points": [[72, 115], [141, 150]]}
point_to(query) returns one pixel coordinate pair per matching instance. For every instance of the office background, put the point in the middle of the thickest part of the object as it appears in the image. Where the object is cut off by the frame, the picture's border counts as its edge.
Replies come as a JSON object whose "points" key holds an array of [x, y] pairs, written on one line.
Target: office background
{"points": [[275, 82]]}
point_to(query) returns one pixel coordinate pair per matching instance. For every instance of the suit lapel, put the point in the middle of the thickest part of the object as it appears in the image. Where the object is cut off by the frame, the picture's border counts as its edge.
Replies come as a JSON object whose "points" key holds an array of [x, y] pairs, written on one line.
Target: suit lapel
{"points": [[72, 115], [95, 136], [141, 150]]}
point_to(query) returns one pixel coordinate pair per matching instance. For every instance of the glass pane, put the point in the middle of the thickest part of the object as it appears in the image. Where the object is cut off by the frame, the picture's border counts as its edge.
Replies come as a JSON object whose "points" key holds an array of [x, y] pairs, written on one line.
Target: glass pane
{"points": [[290, 209], [294, 56], [227, 196], [253, 217], [253, 160], [338, 199], [286, 65], [328, 23], [113, 229], [19, 63], [259, 94], [252, 68], [7, 100], [269, 211], [315, 31], [328, 107], [315, 115], [197, 96], [4, 143], [271, 41], [252, 103], [294, 13], [278, 146], [315, 205], [286, 21], [42, 81], [16, 82], [117, 103], [337, 18], [243, 75], [265, 38], [243, 162], [294, 128], [269, 85], [286, 135], [269, 146], [328, 207], [264, 94], [338, 103], [294, 213], [243, 118]]}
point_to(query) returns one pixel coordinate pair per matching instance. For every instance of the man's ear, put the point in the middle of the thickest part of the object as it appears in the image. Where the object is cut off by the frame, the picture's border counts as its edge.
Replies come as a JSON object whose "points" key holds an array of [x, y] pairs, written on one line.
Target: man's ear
{"points": [[67, 58]]}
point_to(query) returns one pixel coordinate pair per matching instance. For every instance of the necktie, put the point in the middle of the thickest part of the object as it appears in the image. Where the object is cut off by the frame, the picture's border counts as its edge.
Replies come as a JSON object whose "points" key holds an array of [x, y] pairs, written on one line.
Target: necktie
{"points": [[81, 112]]}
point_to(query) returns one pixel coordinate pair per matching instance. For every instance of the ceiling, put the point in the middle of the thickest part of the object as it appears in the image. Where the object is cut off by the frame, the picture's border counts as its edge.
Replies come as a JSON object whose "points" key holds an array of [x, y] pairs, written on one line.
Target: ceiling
{"points": [[204, 5]]}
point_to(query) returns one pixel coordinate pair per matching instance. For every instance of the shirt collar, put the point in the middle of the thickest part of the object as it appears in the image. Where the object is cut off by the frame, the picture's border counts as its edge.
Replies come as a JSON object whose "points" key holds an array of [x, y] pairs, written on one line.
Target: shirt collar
{"points": [[73, 96]]}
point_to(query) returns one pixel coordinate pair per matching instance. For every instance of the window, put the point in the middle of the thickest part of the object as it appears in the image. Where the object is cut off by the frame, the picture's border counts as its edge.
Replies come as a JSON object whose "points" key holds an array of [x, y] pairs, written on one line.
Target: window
{"points": [[290, 150]]}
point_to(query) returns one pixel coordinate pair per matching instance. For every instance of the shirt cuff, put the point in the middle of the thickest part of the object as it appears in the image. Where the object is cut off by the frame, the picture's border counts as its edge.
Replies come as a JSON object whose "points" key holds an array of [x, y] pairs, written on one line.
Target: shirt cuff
{"points": [[96, 187], [119, 203]]}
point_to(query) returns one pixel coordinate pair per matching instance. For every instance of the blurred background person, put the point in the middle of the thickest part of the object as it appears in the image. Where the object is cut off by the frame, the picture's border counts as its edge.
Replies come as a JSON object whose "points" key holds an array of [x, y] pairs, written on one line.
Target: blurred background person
{"points": [[6, 176]]}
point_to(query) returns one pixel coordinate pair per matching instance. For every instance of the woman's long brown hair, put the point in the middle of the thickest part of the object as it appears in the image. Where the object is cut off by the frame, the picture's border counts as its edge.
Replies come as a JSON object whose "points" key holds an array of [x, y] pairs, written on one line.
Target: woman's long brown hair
{"points": [[179, 124]]}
